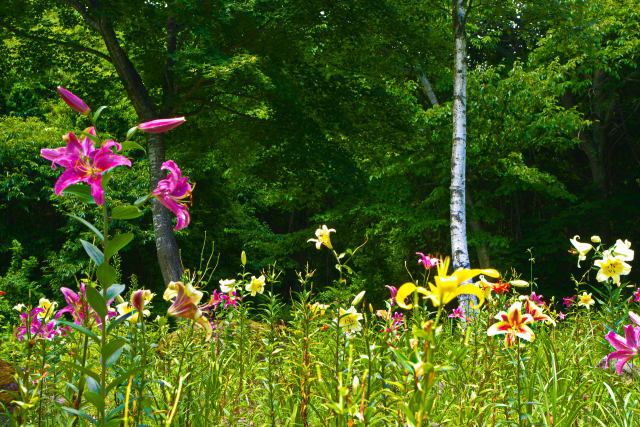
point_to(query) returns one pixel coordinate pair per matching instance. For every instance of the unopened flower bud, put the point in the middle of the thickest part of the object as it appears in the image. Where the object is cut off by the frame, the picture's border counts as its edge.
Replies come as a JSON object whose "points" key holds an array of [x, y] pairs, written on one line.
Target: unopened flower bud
{"points": [[595, 239], [74, 102]]}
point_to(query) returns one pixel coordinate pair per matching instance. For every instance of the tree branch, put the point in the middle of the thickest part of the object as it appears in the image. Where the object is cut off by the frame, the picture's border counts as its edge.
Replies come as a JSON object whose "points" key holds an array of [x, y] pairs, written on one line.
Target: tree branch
{"points": [[212, 104], [71, 45]]}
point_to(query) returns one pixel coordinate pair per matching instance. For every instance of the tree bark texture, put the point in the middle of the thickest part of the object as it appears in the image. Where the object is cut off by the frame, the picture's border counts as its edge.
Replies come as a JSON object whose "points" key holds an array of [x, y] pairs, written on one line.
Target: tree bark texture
{"points": [[426, 88], [458, 227], [166, 245]]}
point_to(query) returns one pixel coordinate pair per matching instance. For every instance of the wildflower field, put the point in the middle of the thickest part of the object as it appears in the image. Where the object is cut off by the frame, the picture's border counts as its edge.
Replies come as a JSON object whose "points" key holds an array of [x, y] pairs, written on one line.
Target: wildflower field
{"points": [[446, 347]]}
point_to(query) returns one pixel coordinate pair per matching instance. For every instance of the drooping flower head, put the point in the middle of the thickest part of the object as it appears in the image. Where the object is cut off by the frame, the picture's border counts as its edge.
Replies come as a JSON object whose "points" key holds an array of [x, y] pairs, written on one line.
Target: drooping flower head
{"points": [[427, 261], [74, 102], [513, 324], [581, 249], [161, 125], [126, 307], [393, 290], [446, 287], [174, 192], [185, 301], [612, 266], [83, 162], [322, 237], [140, 298], [255, 285]]}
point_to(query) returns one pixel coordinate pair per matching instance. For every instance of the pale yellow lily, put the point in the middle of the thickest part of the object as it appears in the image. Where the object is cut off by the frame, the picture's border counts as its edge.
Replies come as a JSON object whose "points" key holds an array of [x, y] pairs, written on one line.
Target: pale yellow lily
{"points": [[446, 287]]}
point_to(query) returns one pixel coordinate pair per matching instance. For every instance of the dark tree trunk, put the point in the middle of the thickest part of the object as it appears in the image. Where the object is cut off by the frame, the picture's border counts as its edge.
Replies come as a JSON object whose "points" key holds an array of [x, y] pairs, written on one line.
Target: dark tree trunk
{"points": [[166, 245]]}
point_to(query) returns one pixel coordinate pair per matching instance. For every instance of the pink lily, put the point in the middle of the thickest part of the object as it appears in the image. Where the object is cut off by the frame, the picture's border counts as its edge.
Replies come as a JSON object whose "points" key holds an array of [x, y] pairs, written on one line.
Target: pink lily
{"points": [[74, 102], [174, 193], [160, 125], [84, 163], [78, 307], [636, 295], [626, 348], [536, 298], [427, 261], [393, 291], [569, 301], [457, 313], [37, 329]]}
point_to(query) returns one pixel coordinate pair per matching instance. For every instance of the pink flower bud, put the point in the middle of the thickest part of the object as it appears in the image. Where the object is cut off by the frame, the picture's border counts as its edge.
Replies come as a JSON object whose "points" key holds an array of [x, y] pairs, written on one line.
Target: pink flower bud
{"points": [[73, 101], [160, 125]]}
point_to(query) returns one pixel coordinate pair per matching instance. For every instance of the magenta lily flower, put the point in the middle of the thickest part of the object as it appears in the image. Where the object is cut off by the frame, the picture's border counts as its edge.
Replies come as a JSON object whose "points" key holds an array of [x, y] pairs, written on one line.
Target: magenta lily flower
{"points": [[427, 261], [636, 295], [36, 328], [457, 313], [626, 348], [569, 301], [79, 309], [84, 163], [536, 298], [174, 193], [74, 102], [160, 125]]}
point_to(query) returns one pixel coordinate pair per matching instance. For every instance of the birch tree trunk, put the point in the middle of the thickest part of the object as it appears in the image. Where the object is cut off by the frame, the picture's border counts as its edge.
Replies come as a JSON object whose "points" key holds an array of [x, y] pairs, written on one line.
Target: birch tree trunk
{"points": [[458, 227]]}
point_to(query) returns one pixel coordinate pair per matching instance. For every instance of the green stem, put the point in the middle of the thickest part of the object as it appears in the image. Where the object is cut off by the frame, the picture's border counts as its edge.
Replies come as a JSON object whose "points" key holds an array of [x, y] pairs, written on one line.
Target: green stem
{"points": [[186, 345], [41, 381], [518, 379]]}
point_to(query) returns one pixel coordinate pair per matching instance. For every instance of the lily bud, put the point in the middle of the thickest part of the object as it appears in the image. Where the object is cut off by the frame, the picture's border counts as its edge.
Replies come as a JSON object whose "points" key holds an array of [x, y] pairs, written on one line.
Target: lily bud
{"points": [[595, 239], [139, 298], [160, 125], [74, 102]]}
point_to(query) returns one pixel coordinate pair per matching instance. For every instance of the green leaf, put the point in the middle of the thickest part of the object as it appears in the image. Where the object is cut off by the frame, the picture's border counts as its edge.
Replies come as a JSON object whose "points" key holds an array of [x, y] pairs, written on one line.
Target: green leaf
{"points": [[89, 225], [93, 385], [95, 399], [125, 212], [96, 115], [118, 320], [116, 243], [97, 302], [80, 329], [112, 350], [94, 253], [78, 368], [130, 145], [80, 414], [122, 378], [131, 131], [106, 275], [141, 200], [114, 290], [82, 191]]}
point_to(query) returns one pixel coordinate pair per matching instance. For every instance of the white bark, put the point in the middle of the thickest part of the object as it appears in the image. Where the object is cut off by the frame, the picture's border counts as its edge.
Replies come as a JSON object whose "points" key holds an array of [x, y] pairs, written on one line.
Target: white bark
{"points": [[458, 227], [426, 87]]}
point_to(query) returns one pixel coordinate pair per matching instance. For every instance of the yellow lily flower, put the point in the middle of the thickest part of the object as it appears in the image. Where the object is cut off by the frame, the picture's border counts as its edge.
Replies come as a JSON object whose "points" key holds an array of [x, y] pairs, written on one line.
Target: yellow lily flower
{"points": [[611, 266], [323, 237], [350, 320], [446, 287], [173, 288], [126, 307], [586, 300], [256, 285], [48, 307]]}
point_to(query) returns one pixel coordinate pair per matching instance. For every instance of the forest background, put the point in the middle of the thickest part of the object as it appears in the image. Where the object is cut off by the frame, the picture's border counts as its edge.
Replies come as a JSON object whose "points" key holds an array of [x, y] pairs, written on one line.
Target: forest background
{"points": [[302, 113]]}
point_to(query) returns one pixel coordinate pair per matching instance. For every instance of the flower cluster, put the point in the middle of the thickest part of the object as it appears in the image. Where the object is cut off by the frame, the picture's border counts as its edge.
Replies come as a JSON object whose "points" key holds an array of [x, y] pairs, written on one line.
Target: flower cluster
{"points": [[40, 322], [84, 162], [614, 260], [80, 310]]}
